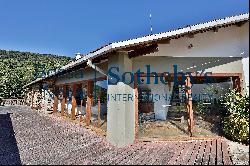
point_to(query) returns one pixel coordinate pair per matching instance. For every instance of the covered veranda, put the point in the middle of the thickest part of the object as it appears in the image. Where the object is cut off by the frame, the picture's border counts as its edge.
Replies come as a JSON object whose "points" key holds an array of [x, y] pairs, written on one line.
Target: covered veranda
{"points": [[202, 44]]}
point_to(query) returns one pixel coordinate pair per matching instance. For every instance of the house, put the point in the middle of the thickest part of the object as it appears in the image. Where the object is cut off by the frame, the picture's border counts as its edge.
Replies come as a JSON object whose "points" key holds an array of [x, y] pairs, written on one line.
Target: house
{"points": [[138, 75]]}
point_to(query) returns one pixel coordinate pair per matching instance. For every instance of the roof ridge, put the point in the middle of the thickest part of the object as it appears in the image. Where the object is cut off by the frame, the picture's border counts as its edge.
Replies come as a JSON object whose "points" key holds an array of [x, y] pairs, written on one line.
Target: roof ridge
{"points": [[202, 23]]}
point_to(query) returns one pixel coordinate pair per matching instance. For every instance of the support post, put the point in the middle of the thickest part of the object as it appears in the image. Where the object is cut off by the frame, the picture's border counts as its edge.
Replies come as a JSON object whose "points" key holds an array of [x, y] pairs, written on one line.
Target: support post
{"points": [[236, 84], [189, 106], [32, 98], [73, 114], [245, 75], [136, 105], [90, 85], [121, 112], [99, 112], [63, 100], [67, 111], [55, 100], [81, 111]]}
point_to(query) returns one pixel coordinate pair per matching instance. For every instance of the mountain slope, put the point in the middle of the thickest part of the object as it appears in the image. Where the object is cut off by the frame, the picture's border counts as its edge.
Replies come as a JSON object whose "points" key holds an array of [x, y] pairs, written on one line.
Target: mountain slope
{"points": [[19, 68]]}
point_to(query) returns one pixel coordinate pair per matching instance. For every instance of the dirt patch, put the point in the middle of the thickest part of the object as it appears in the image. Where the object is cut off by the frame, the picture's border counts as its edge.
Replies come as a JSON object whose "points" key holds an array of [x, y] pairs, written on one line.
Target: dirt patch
{"points": [[175, 128]]}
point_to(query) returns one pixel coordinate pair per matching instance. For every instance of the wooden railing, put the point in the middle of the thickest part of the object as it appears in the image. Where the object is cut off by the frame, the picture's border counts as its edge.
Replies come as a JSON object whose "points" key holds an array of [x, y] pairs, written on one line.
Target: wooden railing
{"points": [[8, 102]]}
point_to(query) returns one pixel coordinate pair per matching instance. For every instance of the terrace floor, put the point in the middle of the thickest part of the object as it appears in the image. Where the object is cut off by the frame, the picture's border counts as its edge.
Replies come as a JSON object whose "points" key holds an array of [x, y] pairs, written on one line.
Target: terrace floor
{"points": [[32, 137]]}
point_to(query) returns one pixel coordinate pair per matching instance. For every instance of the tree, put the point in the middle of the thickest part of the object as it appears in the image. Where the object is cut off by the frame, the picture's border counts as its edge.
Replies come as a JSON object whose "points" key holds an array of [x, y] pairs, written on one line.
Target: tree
{"points": [[18, 69]]}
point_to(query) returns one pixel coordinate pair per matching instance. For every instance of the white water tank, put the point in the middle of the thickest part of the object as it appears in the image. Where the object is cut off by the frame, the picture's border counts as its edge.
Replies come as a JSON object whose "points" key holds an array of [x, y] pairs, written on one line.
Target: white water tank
{"points": [[78, 56]]}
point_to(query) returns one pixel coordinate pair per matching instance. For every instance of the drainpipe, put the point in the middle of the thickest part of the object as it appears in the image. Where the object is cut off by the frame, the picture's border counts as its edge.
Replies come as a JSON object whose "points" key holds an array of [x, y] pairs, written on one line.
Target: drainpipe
{"points": [[90, 64], [96, 68]]}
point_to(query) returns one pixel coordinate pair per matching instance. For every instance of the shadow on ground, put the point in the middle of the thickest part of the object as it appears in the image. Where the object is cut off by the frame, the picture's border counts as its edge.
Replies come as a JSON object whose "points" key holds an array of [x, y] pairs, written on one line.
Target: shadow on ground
{"points": [[9, 153]]}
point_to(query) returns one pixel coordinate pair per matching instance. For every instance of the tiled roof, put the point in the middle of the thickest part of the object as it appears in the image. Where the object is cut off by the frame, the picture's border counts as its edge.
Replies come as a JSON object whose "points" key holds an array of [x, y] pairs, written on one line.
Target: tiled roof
{"points": [[154, 37]]}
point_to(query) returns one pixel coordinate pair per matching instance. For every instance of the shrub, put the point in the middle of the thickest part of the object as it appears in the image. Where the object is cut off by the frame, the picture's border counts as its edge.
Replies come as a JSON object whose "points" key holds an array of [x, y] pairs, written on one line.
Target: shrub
{"points": [[236, 121], [214, 94]]}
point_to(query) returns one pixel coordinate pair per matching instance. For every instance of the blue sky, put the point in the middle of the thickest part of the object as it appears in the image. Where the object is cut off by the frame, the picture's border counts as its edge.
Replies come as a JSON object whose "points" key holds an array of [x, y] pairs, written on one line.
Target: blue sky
{"points": [[71, 26]]}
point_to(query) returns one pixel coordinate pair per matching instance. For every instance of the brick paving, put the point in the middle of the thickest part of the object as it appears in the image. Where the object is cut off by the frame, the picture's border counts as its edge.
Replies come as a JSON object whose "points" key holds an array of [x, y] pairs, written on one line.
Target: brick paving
{"points": [[30, 137]]}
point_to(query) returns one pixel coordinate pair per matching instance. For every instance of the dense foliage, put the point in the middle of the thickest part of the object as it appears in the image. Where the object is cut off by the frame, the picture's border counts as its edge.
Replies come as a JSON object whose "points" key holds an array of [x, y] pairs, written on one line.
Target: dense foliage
{"points": [[236, 122], [19, 68], [214, 94]]}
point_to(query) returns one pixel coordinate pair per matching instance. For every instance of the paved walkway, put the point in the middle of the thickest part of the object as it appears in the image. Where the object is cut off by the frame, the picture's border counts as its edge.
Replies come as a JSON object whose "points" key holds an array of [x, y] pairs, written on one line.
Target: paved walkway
{"points": [[29, 137]]}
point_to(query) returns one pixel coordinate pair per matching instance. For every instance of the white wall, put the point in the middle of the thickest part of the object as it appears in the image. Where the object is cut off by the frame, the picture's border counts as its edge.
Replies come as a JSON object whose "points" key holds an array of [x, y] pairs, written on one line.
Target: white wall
{"points": [[165, 64], [230, 41], [245, 63]]}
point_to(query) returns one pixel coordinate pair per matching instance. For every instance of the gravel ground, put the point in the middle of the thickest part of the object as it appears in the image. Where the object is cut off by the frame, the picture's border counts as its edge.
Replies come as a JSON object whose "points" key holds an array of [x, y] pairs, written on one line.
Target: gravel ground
{"points": [[31, 137], [239, 153]]}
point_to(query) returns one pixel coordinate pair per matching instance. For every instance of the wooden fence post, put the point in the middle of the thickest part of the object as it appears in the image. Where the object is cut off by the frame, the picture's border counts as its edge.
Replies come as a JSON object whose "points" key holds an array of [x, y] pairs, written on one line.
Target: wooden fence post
{"points": [[73, 115], [189, 106], [63, 100], [56, 92], [55, 102], [136, 105], [90, 85], [99, 112], [81, 111], [32, 98]]}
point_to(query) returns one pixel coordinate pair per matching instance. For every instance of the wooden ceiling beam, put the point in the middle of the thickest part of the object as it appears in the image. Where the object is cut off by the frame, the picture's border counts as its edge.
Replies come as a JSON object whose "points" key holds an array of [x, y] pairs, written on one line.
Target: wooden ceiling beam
{"points": [[102, 57], [239, 24], [190, 35], [130, 48], [216, 29], [96, 60], [164, 41], [143, 51]]}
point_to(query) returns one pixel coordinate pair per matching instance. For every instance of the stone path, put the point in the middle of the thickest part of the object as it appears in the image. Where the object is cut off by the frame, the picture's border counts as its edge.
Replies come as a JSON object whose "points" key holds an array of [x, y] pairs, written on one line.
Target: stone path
{"points": [[30, 137]]}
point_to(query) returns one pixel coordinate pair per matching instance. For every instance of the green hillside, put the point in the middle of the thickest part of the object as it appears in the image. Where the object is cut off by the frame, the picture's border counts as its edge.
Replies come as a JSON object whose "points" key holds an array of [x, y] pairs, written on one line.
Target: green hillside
{"points": [[19, 68]]}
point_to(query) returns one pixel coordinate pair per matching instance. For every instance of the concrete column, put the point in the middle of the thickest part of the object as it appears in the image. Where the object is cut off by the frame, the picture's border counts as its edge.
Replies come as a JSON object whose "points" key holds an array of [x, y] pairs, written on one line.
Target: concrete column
{"points": [[245, 62], [121, 112]]}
